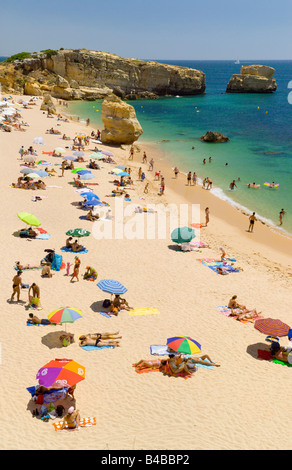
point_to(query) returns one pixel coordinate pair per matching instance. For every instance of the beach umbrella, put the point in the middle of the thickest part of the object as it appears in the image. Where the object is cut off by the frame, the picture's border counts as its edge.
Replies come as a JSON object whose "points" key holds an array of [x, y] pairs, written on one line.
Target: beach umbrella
{"points": [[33, 175], [106, 152], [271, 327], [78, 169], [42, 173], [120, 167], [26, 171], [117, 170], [93, 202], [64, 315], [59, 150], [83, 172], [182, 235], [69, 158], [112, 287], [88, 195], [64, 372], [96, 155], [43, 162], [183, 344], [29, 219], [78, 154], [123, 173], [87, 176], [78, 232]]}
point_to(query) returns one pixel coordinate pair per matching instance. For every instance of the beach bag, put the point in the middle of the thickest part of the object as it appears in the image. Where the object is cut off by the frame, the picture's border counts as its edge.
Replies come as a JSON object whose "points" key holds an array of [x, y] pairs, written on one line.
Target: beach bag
{"points": [[60, 410], [43, 410], [106, 303], [40, 400]]}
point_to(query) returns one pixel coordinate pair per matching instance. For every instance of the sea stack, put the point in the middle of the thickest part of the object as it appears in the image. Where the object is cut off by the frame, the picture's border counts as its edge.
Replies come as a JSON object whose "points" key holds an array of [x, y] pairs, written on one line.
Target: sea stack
{"points": [[214, 137], [253, 79], [121, 125]]}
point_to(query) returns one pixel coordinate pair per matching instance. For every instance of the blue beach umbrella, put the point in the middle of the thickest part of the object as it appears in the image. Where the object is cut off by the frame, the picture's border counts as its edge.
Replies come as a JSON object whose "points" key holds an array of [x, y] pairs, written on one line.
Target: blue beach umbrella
{"points": [[123, 173], [83, 172], [87, 176], [112, 287], [42, 173], [89, 195], [121, 167], [93, 202]]}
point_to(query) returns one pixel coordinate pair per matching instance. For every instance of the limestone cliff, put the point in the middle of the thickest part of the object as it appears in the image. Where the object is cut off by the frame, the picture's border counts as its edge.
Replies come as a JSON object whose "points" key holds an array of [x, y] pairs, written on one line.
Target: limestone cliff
{"points": [[82, 74], [121, 125], [253, 79]]}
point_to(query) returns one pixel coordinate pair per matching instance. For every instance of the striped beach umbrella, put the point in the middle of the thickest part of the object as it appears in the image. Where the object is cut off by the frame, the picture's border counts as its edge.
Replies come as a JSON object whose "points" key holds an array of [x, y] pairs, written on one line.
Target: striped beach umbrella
{"points": [[183, 344], [63, 372], [272, 327], [64, 315], [78, 232], [112, 287]]}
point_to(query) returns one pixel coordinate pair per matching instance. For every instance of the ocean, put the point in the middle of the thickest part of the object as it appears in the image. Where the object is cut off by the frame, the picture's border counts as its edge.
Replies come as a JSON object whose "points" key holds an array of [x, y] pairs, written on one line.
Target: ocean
{"points": [[258, 126]]}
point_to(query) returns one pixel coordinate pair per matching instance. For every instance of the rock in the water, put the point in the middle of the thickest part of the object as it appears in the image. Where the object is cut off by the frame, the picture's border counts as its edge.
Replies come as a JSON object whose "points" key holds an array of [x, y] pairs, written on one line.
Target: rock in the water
{"points": [[253, 79], [215, 137], [121, 125]]}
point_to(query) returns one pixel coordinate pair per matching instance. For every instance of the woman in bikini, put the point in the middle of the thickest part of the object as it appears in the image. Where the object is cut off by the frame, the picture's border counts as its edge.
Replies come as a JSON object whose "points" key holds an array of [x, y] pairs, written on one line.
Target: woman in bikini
{"points": [[85, 340], [153, 364], [72, 419]]}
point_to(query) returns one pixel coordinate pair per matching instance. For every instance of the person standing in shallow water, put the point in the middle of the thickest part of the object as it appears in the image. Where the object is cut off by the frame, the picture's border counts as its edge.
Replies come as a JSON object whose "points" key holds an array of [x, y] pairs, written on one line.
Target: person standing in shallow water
{"points": [[252, 220], [281, 214]]}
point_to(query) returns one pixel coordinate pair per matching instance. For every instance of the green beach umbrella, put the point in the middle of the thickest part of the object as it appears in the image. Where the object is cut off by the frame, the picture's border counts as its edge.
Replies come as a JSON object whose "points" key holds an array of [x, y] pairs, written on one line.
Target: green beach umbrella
{"points": [[29, 219], [182, 235], [78, 169], [78, 232]]}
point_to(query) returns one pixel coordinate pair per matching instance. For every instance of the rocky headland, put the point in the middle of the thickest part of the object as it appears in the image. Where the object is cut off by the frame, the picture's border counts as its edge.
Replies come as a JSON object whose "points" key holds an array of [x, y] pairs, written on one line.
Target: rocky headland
{"points": [[89, 75]]}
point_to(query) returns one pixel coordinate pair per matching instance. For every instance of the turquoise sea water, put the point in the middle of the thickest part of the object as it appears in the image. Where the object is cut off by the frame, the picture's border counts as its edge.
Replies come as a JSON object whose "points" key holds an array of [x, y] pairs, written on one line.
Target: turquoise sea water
{"points": [[259, 127]]}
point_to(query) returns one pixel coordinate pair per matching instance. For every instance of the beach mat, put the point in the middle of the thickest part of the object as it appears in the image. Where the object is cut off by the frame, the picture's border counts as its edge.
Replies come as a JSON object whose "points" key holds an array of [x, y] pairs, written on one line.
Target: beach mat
{"points": [[28, 323], [143, 311], [159, 350], [43, 236], [66, 250], [213, 264], [277, 361], [27, 269], [106, 315], [83, 423], [227, 313], [147, 369], [95, 348]]}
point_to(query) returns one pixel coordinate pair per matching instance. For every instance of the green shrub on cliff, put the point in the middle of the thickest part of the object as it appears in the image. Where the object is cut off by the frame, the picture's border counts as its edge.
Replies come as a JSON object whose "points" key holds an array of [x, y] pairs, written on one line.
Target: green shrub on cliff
{"points": [[49, 52], [20, 56]]}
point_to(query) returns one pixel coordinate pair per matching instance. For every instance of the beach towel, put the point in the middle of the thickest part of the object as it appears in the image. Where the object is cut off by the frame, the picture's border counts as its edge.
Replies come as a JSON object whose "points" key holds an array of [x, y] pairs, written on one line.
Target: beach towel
{"points": [[143, 311], [34, 303], [29, 323], [227, 312], [66, 250], [96, 348], [277, 361], [43, 236], [83, 423], [264, 354], [106, 315], [147, 369], [28, 269], [213, 264], [198, 244]]}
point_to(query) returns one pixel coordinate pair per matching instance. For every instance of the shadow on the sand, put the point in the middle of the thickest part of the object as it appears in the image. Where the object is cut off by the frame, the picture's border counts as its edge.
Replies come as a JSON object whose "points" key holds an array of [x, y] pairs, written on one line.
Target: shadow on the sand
{"points": [[52, 339], [252, 349]]}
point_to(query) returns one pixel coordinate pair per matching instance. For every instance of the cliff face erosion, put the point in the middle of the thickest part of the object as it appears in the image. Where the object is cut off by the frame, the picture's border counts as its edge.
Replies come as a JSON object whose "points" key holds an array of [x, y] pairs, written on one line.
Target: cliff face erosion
{"points": [[88, 75]]}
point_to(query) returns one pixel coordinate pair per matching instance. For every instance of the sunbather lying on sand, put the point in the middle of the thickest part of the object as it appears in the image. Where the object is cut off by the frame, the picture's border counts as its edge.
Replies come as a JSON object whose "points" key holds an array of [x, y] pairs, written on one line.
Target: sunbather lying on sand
{"points": [[153, 364], [20, 267], [192, 361], [281, 353], [85, 340], [37, 321]]}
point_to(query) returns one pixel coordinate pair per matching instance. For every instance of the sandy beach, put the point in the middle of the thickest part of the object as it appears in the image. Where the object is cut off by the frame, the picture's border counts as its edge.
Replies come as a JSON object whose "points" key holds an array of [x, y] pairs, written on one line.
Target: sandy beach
{"points": [[230, 407]]}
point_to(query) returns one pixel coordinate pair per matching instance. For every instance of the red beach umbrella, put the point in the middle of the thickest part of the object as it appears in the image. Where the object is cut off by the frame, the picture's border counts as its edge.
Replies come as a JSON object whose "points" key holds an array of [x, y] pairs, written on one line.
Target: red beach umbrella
{"points": [[271, 326]]}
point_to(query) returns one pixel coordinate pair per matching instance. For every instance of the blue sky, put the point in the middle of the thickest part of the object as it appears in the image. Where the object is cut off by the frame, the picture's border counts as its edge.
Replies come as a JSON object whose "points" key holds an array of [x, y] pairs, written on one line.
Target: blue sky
{"points": [[152, 29]]}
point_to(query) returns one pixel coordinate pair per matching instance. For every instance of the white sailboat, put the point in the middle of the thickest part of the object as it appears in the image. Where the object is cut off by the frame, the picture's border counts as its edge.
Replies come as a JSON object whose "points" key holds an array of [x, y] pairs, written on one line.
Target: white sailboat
{"points": [[237, 61]]}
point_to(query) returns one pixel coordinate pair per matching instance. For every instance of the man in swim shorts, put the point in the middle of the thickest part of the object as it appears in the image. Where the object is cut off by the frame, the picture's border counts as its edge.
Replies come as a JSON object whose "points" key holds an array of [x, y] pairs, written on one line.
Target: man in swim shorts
{"points": [[252, 220], [17, 282]]}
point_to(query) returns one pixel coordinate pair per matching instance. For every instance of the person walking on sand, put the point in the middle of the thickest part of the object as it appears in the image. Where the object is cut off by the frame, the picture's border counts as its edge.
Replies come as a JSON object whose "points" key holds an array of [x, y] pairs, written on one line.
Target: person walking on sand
{"points": [[63, 166], [151, 164], [76, 269], [281, 215], [146, 188], [252, 220], [176, 172], [17, 283], [131, 156], [194, 178], [207, 215], [144, 158], [189, 178]]}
